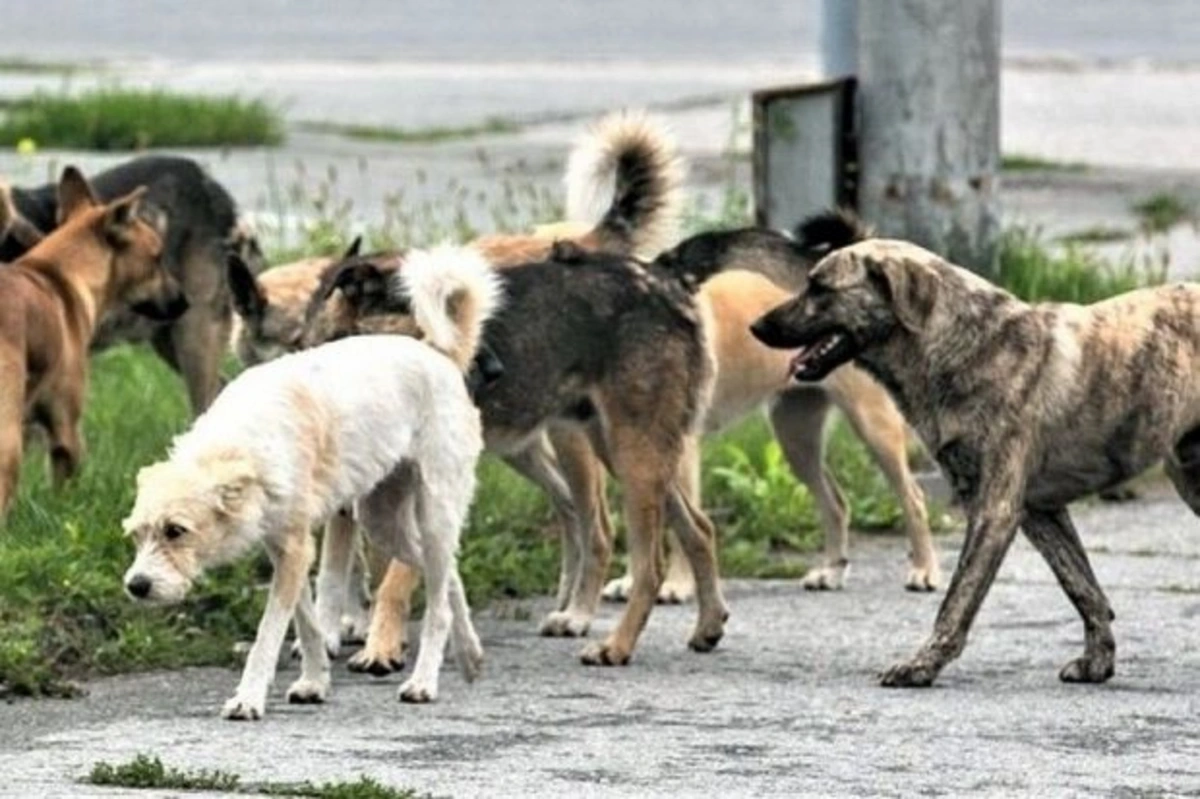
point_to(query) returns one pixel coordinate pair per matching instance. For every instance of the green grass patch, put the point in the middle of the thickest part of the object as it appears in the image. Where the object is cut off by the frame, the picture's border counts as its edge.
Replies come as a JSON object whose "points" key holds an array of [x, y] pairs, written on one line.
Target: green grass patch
{"points": [[148, 772], [1017, 162], [491, 126], [1160, 212], [134, 119], [1035, 271], [1096, 234]]}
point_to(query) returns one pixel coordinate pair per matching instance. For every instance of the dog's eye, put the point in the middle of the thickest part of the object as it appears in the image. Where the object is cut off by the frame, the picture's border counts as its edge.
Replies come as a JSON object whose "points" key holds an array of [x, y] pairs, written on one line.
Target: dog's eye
{"points": [[173, 531]]}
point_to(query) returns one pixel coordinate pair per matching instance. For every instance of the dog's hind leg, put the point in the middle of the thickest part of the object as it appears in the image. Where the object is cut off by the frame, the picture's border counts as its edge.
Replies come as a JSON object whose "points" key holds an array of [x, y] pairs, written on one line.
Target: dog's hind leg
{"points": [[1183, 468], [993, 518], [12, 444], [333, 576], [679, 583], [313, 685], [798, 418], [881, 426], [1055, 537], [646, 473], [439, 521], [698, 540], [467, 648], [291, 560], [538, 464], [62, 415], [585, 477]]}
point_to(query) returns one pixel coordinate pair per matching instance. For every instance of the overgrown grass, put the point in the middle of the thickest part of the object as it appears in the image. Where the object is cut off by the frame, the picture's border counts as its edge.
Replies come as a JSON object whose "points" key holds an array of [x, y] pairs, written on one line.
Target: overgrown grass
{"points": [[1017, 162], [1160, 212], [148, 772], [1034, 270], [386, 133], [132, 119]]}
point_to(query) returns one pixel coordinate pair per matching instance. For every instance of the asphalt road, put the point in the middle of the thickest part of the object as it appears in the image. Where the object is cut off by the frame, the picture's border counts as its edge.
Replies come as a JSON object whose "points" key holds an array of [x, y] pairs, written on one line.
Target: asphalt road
{"points": [[787, 706]]}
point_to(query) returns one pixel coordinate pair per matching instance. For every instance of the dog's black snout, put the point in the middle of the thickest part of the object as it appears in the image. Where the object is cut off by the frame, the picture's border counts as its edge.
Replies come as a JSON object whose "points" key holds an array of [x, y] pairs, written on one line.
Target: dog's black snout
{"points": [[764, 330], [139, 586]]}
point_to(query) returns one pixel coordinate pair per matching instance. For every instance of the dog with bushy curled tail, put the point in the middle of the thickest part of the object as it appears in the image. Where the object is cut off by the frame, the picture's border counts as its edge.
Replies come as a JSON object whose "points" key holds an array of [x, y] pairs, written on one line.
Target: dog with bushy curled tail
{"points": [[384, 422]]}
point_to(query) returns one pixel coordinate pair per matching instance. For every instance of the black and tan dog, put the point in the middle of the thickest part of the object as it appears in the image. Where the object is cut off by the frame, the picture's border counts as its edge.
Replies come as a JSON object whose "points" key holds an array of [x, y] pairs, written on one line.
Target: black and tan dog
{"points": [[99, 257], [201, 226], [591, 342], [1026, 407]]}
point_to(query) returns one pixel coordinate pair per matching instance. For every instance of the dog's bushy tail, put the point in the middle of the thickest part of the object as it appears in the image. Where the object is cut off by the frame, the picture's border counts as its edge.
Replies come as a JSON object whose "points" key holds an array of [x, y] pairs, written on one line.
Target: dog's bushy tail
{"points": [[821, 234], [453, 291], [633, 163]]}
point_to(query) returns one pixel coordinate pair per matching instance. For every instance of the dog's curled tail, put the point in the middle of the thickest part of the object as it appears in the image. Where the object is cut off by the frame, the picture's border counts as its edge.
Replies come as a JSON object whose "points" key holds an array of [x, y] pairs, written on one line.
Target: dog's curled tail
{"points": [[820, 234], [453, 292], [632, 162]]}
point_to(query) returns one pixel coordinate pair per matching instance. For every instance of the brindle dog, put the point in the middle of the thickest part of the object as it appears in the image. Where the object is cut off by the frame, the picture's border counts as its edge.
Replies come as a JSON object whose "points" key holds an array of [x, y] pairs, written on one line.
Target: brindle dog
{"points": [[1026, 407]]}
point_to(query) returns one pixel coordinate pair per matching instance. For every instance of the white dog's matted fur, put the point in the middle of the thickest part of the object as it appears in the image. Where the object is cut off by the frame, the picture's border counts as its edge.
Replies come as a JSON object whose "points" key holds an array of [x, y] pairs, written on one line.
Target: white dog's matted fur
{"points": [[384, 421]]}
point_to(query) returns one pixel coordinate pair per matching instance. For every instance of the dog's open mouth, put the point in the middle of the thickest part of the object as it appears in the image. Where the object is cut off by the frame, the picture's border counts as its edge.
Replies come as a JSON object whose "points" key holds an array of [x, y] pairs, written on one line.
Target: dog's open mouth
{"points": [[821, 357]]}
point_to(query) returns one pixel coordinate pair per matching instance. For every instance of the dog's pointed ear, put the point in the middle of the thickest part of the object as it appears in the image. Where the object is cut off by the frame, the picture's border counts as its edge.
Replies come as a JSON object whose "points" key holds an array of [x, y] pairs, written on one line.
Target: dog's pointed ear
{"points": [[74, 194], [354, 249], [13, 222], [911, 286], [249, 299], [121, 215]]}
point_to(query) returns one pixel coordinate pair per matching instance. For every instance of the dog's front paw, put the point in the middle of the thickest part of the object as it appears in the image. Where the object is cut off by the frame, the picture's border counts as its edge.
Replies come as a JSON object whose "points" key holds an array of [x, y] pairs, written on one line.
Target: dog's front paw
{"points": [[618, 590], [377, 664], [604, 653], [1095, 669], [241, 708], [414, 692], [308, 692], [826, 578], [915, 673], [924, 578], [564, 624]]}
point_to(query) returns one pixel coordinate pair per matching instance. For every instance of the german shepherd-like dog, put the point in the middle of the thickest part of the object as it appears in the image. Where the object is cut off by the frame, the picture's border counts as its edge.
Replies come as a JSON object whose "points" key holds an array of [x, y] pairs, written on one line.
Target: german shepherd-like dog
{"points": [[1027, 407], [597, 343], [201, 226], [99, 257]]}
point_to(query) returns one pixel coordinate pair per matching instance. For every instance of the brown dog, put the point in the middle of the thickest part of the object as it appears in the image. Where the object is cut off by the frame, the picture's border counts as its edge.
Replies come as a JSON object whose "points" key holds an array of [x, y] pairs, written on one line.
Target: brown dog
{"points": [[1027, 407], [101, 256]]}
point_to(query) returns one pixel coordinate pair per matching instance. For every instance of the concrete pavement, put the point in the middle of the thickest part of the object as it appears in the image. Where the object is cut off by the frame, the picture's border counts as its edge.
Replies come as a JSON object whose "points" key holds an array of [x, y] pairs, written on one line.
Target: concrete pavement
{"points": [[787, 706]]}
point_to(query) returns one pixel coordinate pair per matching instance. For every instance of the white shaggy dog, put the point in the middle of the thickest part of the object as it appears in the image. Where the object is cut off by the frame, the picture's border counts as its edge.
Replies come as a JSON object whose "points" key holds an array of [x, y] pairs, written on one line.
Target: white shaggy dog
{"points": [[383, 421]]}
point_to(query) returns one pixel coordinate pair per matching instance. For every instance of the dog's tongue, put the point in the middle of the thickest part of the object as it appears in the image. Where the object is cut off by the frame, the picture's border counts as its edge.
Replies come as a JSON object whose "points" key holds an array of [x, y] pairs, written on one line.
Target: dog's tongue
{"points": [[797, 361]]}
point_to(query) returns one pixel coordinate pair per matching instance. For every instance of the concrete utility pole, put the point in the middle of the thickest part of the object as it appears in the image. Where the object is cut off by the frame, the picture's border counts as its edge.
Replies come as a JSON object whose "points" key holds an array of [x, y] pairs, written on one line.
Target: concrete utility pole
{"points": [[929, 124]]}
